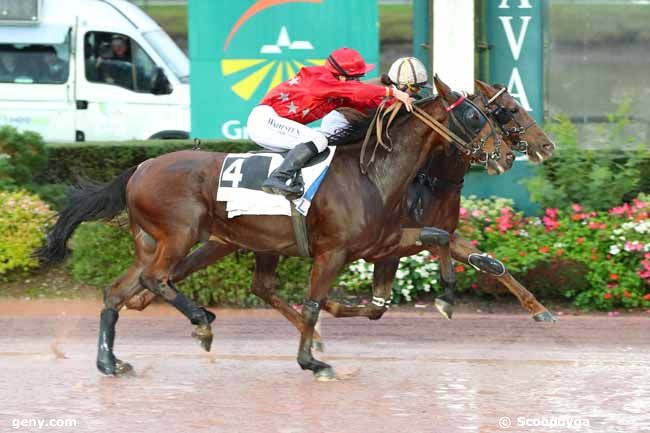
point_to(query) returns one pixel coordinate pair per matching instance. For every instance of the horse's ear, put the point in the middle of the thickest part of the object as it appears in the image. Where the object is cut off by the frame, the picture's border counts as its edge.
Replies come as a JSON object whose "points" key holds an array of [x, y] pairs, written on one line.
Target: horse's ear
{"points": [[444, 90], [484, 88]]}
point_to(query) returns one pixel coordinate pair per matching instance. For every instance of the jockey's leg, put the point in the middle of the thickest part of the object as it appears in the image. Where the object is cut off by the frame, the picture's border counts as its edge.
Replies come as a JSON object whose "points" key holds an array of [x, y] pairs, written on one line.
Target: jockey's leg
{"points": [[268, 129]]}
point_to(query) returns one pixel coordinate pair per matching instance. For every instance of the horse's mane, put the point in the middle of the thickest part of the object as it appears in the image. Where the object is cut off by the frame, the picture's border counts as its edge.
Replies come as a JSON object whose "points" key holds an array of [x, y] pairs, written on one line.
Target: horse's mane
{"points": [[357, 128]]}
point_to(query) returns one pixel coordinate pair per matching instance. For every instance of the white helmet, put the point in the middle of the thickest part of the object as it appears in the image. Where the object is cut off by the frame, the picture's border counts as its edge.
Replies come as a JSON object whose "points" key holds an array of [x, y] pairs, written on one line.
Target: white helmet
{"points": [[408, 71]]}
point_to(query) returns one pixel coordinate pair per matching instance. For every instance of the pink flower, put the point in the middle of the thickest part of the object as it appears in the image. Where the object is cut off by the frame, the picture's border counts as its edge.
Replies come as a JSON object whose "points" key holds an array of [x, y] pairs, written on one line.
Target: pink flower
{"points": [[633, 246], [639, 204], [626, 209], [474, 243], [552, 213], [576, 207], [550, 223], [504, 222], [463, 212], [476, 213]]}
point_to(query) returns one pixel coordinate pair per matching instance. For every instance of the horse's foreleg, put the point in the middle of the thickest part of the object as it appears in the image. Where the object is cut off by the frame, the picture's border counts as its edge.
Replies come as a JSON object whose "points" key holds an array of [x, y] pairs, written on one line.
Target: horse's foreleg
{"points": [[463, 251], [324, 270]]}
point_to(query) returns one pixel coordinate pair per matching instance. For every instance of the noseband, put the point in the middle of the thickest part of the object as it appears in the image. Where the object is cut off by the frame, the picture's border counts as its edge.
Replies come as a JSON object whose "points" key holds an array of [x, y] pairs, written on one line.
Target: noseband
{"points": [[503, 117]]}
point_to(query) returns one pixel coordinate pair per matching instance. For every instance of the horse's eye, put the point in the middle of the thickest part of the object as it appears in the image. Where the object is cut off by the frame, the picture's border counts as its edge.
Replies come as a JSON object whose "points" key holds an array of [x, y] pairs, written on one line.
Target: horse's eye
{"points": [[514, 110]]}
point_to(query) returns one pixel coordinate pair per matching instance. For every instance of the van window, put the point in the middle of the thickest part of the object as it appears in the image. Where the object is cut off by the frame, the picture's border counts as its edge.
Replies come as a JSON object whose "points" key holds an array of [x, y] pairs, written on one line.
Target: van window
{"points": [[116, 59], [34, 64]]}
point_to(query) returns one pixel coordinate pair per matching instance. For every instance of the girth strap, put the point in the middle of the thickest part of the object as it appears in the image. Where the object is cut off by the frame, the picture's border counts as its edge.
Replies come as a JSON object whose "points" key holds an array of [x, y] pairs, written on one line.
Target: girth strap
{"points": [[299, 223]]}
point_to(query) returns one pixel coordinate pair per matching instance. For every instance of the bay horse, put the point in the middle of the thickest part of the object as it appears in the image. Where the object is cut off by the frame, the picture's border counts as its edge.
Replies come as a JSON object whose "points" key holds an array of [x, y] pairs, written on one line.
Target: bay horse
{"points": [[171, 207], [433, 201]]}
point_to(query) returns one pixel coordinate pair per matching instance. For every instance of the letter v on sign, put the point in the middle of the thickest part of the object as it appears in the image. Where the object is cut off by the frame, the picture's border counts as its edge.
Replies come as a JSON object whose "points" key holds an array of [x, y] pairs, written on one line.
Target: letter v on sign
{"points": [[515, 45]]}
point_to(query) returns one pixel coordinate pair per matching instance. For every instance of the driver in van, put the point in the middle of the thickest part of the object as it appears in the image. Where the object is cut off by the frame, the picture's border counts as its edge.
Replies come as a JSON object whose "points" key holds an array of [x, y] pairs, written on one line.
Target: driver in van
{"points": [[114, 63]]}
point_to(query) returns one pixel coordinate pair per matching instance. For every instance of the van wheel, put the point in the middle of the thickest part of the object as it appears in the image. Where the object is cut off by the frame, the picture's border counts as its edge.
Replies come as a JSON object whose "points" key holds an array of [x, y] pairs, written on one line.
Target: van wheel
{"points": [[170, 135]]}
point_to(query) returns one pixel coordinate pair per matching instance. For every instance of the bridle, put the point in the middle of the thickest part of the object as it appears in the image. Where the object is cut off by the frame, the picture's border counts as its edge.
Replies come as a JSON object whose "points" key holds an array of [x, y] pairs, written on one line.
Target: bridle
{"points": [[503, 117], [473, 149], [464, 106]]}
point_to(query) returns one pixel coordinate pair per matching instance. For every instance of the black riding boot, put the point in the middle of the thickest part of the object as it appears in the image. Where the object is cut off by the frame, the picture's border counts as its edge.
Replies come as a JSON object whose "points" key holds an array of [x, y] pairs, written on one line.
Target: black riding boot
{"points": [[293, 161]]}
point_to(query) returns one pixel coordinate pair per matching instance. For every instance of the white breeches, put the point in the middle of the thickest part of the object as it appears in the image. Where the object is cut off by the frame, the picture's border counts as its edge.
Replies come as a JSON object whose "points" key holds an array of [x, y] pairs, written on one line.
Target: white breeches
{"points": [[266, 128], [333, 122]]}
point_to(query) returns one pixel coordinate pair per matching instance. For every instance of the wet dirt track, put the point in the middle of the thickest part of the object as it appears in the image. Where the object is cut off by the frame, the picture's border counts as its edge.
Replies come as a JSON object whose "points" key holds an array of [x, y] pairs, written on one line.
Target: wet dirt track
{"points": [[411, 371]]}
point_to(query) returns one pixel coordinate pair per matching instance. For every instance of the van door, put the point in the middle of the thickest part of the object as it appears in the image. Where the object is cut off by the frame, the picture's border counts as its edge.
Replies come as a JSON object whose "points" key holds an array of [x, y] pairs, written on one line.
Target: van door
{"points": [[114, 87], [36, 82]]}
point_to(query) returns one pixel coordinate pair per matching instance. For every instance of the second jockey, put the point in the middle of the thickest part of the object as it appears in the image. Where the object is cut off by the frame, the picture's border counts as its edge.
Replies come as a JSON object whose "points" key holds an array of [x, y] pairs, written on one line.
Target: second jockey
{"points": [[279, 122]]}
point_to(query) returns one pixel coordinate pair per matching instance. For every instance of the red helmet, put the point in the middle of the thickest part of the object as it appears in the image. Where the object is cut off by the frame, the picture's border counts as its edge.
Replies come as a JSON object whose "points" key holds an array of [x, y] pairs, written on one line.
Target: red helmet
{"points": [[347, 62]]}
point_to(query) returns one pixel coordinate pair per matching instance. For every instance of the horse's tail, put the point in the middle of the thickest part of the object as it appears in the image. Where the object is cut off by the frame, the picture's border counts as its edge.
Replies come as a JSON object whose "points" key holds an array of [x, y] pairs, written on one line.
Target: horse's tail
{"points": [[87, 201]]}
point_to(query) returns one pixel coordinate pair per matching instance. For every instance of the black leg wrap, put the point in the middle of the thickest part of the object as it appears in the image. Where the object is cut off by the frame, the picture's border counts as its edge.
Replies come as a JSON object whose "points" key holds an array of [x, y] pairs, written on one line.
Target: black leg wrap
{"points": [[434, 236], [105, 357], [487, 264], [197, 315], [310, 311], [449, 294]]}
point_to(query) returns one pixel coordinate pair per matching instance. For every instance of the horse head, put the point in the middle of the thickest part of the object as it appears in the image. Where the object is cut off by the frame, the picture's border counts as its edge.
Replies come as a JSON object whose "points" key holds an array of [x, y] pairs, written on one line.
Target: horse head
{"points": [[518, 127], [480, 140]]}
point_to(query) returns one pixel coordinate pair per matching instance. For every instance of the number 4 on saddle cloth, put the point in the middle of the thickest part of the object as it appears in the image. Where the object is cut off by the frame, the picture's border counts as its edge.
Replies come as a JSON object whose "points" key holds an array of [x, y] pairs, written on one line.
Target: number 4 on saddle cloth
{"points": [[242, 175]]}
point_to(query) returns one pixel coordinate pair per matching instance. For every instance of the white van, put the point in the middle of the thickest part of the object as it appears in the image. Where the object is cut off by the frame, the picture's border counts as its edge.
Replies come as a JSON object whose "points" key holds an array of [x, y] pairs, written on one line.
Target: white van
{"points": [[76, 70]]}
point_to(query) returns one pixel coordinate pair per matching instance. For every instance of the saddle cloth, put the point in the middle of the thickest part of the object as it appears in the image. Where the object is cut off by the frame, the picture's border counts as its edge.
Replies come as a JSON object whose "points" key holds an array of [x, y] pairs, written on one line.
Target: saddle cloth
{"points": [[242, 175]]}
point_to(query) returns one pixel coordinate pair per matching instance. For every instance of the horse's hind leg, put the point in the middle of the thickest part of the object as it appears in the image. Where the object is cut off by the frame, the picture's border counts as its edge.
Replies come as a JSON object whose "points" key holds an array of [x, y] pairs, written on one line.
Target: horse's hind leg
{"points": [[156, 278], [201, 258], [115, 296]]}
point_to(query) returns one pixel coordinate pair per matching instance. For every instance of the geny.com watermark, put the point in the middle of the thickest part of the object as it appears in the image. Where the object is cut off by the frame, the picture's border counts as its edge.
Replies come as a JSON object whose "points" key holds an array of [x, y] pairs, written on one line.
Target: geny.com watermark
{"points": [[43, 423], [569, 422]]}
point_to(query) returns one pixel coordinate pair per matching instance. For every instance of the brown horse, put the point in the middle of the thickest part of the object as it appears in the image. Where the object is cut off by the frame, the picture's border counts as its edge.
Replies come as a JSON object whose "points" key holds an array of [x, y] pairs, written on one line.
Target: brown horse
{"points": [[433, 201], [171, 207]]}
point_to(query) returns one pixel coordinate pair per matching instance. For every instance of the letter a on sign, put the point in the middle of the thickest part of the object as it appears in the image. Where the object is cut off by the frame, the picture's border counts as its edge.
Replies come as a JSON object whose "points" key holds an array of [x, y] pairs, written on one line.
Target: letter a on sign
{"points": [[517, 90], [515, 45], [523, 4]]}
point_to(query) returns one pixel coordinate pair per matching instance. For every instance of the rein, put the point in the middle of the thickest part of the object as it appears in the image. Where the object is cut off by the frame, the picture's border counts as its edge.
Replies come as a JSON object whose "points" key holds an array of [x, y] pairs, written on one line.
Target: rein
{"points": [[377, 124]]}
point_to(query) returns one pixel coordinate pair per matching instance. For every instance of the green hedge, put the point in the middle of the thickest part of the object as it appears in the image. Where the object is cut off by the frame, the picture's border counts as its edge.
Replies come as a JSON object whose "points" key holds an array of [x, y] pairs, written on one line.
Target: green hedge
{"points": [[102, 161]]}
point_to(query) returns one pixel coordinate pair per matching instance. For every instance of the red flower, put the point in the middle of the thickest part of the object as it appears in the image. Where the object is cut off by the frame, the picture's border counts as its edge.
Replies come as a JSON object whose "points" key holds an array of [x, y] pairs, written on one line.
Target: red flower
{"points": [[559, 252], [459, 268], [646, 297], [607, 295], [627, 294], [544, 250], [580, 241], [597, 226], [522, 253], [614, 277]]}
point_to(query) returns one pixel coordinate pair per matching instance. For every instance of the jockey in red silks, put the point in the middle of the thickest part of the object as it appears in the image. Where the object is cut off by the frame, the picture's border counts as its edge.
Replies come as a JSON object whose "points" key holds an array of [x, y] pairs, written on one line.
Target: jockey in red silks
{"points": [[278, 123]]}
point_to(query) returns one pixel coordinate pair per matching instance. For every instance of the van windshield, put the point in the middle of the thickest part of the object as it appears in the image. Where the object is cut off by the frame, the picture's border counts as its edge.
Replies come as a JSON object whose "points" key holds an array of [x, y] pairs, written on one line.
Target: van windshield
{"points": [[170, 53]]}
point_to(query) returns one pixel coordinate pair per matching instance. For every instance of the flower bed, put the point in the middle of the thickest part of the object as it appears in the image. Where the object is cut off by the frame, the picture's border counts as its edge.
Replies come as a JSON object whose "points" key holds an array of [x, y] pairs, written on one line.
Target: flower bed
{"points": [[599, 260]]}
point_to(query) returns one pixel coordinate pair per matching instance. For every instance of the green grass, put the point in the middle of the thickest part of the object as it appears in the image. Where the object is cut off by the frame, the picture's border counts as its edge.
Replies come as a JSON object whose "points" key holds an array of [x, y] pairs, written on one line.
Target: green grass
{"points": [[570, 23], [171, 18], [395, 21], [599, 24]]}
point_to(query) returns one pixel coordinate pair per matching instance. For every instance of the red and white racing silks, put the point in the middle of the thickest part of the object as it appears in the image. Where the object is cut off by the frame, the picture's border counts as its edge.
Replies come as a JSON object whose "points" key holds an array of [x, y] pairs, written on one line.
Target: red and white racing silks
{"points": [[316, 91], [278, 123]]}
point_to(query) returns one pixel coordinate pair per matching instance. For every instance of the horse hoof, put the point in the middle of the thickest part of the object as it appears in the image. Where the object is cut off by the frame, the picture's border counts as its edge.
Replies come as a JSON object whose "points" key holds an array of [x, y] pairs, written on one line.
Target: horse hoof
{"points": [[122, 367], [318, 346], [444, 308], [203, 333], [545, 316], [325, 375]]}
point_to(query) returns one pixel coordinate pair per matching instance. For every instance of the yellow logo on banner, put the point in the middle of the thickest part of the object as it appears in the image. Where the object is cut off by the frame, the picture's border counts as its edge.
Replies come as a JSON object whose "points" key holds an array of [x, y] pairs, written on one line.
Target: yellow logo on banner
{"points": [[260, 69]]}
